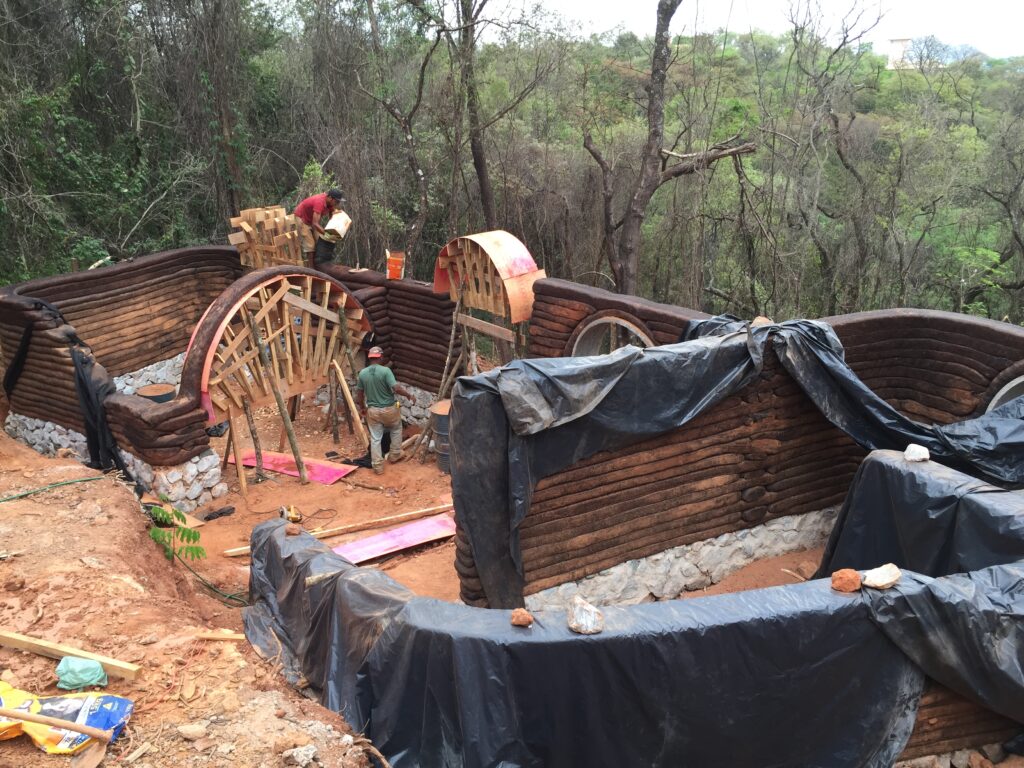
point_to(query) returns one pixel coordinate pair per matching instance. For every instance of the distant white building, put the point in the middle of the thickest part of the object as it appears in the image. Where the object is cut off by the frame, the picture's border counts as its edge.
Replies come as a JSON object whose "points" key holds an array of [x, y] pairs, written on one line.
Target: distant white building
{"points": [[897, 51]]}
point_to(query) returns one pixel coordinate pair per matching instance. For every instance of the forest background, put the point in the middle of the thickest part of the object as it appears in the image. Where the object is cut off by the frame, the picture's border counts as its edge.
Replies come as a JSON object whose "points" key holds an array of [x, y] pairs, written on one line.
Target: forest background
{"points": [[785, 175]]}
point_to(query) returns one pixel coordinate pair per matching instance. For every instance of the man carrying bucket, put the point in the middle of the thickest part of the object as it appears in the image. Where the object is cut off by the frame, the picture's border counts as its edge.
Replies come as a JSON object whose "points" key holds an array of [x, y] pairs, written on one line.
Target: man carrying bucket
{"points": [[318, 242], [375, 394]]}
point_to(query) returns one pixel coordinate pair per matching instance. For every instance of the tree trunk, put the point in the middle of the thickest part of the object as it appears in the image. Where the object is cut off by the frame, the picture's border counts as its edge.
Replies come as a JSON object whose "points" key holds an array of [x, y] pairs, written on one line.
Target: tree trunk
{"points": [[467, 40]]}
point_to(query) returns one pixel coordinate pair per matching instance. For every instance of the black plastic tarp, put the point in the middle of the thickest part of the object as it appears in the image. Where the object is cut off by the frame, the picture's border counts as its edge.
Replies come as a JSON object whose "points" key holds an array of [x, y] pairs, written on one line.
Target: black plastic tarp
{"points": [[965, 630], [795, 676], [532, 418], [924, 517]]}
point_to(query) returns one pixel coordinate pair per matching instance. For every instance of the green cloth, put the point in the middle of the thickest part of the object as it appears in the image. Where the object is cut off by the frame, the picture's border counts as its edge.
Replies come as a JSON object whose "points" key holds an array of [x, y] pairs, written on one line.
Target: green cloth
{"points": [[74, 673], [378, 385]]}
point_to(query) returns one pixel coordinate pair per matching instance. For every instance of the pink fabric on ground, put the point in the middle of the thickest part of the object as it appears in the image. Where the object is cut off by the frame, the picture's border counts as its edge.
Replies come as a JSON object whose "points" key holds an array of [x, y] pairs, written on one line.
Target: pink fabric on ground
{"points": [[404, 536], [323, 472]]}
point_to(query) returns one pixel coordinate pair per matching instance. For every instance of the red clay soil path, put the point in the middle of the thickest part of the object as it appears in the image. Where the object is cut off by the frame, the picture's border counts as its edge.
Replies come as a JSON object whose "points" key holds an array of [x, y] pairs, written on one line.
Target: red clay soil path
{"points": [[408, 486]]}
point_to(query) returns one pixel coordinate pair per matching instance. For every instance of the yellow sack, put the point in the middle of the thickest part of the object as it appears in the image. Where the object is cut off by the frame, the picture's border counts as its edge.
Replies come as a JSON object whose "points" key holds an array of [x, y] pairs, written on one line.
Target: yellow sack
{"points": [[100, 710]]}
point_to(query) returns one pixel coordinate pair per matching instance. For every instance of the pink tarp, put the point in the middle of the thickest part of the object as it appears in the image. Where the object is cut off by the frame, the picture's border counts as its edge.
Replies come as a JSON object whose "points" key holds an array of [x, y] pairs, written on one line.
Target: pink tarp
{"points": [[404, 536], [323, 472]]}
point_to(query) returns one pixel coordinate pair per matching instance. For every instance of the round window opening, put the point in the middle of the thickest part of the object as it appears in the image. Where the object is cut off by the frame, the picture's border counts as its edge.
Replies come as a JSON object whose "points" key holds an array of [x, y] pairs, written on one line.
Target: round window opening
{"points": [[1013, 389], [602, 335]]}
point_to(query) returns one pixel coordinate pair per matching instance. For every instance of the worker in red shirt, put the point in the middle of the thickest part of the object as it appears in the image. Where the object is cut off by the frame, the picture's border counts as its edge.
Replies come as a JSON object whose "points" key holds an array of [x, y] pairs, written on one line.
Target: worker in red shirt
{"points": [[311, 213]]}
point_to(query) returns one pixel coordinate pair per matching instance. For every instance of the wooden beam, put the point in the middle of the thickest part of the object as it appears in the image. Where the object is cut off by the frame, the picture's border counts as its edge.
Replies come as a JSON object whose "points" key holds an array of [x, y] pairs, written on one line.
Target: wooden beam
{"points": [[309, 306], [488, 329], [235, 637], [112, 667], [380, 522]]}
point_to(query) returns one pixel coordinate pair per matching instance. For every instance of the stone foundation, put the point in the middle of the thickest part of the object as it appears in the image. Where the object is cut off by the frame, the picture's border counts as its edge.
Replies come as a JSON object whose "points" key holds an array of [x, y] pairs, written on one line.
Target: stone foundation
{"points": [[163, 372], [188, 486], [664, 576], [416, 410]]}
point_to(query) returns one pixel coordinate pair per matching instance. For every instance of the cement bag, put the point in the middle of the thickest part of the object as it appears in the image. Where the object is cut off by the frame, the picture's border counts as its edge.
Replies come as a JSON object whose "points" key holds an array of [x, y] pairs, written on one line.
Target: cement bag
{"points": [[99, 710], [337, 227]]}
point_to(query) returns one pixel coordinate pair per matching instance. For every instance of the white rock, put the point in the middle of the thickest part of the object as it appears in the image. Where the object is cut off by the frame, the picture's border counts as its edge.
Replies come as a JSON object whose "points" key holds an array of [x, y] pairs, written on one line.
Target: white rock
{"points": [[915, 452], [194, 491], [192, 731], [207, 461], [189, 473], [300, 756], [882, 577], [583, 618]]}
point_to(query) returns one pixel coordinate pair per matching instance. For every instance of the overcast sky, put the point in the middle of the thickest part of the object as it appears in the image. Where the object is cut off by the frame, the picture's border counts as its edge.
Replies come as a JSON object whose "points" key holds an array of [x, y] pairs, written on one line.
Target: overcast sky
{"points": [[995, 27]]}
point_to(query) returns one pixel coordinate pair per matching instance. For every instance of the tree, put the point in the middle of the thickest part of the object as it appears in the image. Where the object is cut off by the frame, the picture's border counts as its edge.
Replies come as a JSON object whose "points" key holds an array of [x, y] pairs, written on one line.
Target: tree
{"points": [[622, 240]]}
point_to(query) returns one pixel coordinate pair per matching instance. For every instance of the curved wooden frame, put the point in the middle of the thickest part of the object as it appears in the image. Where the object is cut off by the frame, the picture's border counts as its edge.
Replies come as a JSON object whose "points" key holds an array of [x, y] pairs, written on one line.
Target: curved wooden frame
{"points": [[298, 311], [496, 273]]}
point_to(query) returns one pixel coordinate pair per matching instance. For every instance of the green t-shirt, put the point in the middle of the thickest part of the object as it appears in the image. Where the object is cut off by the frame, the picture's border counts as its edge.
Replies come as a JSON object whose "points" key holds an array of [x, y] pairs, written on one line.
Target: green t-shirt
{"points": [[378, 385]]}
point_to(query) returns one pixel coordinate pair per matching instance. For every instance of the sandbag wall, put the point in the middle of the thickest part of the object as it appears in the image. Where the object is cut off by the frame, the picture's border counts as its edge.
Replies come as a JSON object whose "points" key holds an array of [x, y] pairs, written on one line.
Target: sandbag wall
{"points": [[936, 367], [412, 323], [370, 289], [129, 315], [763, 453], [560, 306]]}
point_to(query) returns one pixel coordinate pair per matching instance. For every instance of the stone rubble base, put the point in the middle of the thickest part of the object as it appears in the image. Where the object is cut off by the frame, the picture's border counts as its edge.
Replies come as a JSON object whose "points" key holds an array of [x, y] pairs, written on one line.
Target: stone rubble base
{"points": [[162, 372], [188, 486], [665, 575]]}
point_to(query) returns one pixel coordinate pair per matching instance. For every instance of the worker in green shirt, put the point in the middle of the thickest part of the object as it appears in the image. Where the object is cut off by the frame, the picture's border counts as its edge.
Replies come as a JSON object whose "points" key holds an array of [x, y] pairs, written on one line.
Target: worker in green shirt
{"points": [[375, 392]]}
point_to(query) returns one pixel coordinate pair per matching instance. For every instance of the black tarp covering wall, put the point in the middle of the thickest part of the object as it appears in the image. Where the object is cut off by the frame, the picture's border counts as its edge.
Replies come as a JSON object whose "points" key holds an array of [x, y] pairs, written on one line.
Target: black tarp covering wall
{"points": [[965, 630], [532, 418], [794, 676]]}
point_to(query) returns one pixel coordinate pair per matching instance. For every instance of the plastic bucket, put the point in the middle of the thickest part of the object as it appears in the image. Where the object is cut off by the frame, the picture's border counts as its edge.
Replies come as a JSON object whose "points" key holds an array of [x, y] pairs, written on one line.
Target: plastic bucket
{"points": [[439, 421], [396, 265]]}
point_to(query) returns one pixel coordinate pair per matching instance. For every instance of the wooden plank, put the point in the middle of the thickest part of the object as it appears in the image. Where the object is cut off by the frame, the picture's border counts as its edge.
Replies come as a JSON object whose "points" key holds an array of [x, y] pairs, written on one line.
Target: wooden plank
{"points": [[381, 522], [112, 667], [488, 329], [351, 403], [235, 637]]}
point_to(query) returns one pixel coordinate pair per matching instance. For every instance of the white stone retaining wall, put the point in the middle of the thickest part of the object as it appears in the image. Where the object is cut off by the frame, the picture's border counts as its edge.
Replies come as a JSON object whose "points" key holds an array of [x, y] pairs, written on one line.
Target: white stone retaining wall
{"points": [[188, 486], [163, 372], [663, 576]]}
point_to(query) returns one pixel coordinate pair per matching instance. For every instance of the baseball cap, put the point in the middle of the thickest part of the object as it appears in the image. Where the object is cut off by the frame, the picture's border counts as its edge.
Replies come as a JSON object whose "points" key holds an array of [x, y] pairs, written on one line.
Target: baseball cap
{"points": [[337, 195], [375, 352]]}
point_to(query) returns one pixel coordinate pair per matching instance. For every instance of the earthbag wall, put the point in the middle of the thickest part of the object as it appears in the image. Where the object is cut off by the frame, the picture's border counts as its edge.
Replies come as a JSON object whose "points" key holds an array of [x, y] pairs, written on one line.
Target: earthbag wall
{"points": [[691, 682], [532, 418]]}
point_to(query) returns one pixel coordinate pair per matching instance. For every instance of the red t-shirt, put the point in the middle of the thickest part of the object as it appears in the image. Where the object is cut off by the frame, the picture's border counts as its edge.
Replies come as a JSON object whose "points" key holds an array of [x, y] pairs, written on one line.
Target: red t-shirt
{"points": [[315, 206]]}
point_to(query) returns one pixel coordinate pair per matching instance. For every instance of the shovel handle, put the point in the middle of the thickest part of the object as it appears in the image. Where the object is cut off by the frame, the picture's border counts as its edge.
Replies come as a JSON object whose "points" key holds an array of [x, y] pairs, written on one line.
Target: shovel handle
{"points": [[56, 722]]}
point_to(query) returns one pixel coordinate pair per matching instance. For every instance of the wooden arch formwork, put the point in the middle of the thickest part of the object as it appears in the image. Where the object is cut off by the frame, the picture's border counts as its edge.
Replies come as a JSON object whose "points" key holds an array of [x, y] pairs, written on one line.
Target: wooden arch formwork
{"points": [[309, 326], [492, 272]]}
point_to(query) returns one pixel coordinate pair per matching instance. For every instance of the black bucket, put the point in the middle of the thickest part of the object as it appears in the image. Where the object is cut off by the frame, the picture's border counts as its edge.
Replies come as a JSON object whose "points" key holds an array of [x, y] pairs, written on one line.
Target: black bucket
{"points": [[439, 421]]}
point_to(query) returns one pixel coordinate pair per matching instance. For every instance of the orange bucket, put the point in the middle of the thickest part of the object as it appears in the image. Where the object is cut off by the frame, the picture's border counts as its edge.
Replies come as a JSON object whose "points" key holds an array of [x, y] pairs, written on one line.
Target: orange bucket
{"points": [[396, 265]]}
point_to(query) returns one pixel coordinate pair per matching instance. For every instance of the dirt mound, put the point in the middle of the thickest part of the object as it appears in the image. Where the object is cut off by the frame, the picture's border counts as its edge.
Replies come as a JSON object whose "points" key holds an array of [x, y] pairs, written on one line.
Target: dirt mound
{"points": [[86, 574]]}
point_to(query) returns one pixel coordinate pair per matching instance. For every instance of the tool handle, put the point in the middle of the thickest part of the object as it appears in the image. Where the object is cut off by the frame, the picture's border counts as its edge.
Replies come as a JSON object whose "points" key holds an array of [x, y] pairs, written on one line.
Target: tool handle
{"points": [[31, 717]]}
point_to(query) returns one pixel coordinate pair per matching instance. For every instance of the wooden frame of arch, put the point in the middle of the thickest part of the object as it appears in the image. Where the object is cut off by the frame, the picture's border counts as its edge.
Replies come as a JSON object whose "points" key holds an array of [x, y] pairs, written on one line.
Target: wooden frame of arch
{"points": [[299, 318], [491, 271]]}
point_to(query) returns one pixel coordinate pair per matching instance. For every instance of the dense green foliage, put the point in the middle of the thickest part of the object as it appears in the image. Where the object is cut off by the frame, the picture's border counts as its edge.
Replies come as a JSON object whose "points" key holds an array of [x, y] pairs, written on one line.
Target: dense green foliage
{"points": [[127, 128]]}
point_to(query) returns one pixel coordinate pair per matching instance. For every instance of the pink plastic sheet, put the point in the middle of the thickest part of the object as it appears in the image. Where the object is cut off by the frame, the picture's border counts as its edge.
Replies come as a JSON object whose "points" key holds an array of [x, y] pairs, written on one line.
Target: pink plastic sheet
{"points": [[324, 472]]}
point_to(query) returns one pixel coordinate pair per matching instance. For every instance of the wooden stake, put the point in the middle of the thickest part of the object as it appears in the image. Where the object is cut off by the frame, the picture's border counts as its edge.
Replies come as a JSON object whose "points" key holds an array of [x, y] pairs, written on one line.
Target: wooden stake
{"points": [[56, 722], [282, 407], [345, 338], [332, 390], [381, 522], [236, 447], [347, 393], [112, 667], [254, 433]]}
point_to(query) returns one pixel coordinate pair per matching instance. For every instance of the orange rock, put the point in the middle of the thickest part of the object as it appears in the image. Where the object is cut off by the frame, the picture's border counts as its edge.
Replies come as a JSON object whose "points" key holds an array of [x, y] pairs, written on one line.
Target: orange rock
{"points": [[292, 529], [521, 618], [846, 580]]}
